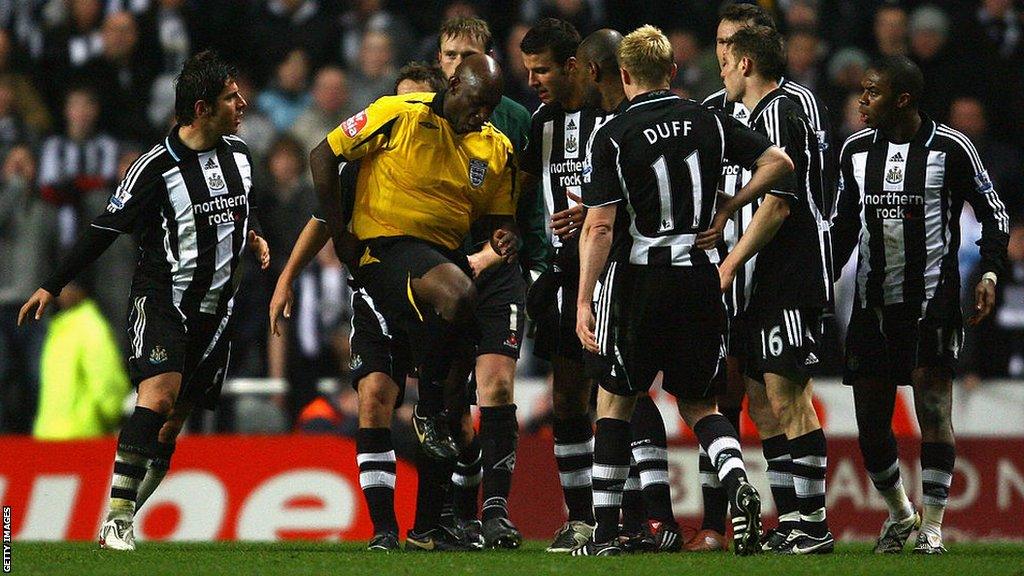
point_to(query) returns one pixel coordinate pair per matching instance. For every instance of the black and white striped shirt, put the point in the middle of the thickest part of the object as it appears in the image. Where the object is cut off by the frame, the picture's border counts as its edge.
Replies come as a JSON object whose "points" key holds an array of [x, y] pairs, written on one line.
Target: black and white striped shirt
{"points": [[901, 204], [189, 212], [794, 268], [735, 177], [662, 158]]}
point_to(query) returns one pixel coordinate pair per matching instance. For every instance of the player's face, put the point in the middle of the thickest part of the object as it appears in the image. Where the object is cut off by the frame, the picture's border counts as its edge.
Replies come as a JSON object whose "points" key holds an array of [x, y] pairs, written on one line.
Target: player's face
{"points": [[455, 49], [551, 81], [877, 100], [732, 75], [227, 115], [468, 108], [407, 86], [725, 31]]}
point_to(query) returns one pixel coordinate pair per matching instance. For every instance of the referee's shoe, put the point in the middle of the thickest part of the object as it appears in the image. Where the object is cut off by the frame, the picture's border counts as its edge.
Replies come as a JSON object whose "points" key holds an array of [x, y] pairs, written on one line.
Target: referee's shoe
{"points": [[434, 435]]}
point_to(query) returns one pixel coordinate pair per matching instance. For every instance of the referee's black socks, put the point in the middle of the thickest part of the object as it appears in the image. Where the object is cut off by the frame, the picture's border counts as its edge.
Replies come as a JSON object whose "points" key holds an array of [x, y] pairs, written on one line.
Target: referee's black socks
{"points": [[499, 434]]}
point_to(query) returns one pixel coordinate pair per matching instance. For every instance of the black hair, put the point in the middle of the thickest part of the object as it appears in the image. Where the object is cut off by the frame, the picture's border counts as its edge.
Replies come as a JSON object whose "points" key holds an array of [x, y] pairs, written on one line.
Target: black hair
{"points": [[202, 78], [751, 14], [558, 36], [763, 45], [422, 72], [903, 74]]}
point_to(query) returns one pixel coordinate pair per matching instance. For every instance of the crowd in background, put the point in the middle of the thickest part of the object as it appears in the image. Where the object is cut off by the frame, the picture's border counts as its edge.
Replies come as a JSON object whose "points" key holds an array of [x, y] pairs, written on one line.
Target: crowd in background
{"points": [[87, 85]]}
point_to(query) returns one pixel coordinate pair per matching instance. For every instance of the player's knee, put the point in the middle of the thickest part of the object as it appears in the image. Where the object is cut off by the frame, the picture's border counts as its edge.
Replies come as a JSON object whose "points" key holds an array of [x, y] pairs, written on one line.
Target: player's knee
{"points": [[377, 396], [932, 410], [496, 391], [462, 304], [171, 429], [567, 404]]}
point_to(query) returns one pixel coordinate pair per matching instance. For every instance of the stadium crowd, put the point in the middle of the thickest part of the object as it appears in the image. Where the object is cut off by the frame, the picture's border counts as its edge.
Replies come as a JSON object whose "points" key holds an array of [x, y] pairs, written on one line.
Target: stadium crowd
{"points": [[84, 84]]}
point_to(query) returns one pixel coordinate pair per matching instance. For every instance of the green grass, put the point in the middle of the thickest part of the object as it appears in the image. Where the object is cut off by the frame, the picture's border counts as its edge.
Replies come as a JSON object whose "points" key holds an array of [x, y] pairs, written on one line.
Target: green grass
{"points": [[200, 559]]}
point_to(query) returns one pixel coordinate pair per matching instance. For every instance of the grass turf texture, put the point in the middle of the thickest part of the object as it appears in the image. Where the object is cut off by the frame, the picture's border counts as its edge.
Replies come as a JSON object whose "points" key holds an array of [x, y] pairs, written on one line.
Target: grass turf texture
{"points": [[350, 558]]}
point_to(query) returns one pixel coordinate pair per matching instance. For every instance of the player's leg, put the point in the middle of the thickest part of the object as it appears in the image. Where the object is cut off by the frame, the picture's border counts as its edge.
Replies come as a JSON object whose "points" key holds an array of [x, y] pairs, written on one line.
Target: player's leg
{"points": [[574, 450], [166, 442], [136, 446], [461, 511], [377, 395], [775, 448], [499, 433], [649, 449], [874, 369], [874, 400], [611, 468], [711, 536], [933, 394], [721, 442]]}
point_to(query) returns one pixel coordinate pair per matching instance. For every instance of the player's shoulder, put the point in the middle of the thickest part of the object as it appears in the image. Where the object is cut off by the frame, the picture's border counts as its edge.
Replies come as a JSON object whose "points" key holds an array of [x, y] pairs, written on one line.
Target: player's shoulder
{"points": [[857, 142], [954, 141], [236, 143], [545, 112], [716, 99], [513, 109], [804, 96], [498, 139], [410, 103], [148, 167]]}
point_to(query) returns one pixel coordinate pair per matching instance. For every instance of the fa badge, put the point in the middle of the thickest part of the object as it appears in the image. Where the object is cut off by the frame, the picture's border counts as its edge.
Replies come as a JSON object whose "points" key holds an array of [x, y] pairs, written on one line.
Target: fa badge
{"points": [[158, 355], [477, 172]]}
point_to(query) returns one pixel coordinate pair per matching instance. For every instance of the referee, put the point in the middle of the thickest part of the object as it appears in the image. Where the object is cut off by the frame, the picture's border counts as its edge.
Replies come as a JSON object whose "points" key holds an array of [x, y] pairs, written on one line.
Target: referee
{"points": [[186, 202]]}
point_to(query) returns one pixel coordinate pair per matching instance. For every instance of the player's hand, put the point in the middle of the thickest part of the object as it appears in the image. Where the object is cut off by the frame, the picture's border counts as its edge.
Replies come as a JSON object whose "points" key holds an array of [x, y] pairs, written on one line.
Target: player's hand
{"points": [[726, 276], [710, 238], [259, 246], [984, 301], [505, 243], [39, 301], [567, 223], [585, 324], [280, 305]]}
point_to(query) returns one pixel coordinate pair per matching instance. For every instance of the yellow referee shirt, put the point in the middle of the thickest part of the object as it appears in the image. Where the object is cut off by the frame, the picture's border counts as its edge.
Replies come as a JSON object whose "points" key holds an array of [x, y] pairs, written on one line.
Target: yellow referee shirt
{"points": [[418, 177]]}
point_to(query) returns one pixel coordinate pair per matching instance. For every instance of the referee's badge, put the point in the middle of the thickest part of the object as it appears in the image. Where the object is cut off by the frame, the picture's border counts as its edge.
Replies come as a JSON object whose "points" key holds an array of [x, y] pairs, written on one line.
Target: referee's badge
{"points": [[477, 172]]}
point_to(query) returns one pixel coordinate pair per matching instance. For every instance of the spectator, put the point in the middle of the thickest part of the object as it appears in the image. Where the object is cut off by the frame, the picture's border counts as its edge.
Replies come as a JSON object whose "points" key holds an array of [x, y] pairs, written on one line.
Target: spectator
{"points": [[375, 75], [1001, 25], [12, 128], [27, 100], [77, 163], [287, 97], [995, 349], [257, 130], [121, 77], [801, 14], [803, 57], [941, 64], [83, 381], [697, 74], [585, 15], [174, 22], [69, 46], [329, 106], [517, 85], [851, 121], [27, 251], [890, 30], [284, 25], [368, 16], [845, 71], [1005, 164], [22, 19]]}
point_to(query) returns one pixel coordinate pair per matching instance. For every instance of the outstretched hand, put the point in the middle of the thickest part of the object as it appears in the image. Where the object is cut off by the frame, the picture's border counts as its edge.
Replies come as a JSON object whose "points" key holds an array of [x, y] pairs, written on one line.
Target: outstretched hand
{"points": [[39, 301]]}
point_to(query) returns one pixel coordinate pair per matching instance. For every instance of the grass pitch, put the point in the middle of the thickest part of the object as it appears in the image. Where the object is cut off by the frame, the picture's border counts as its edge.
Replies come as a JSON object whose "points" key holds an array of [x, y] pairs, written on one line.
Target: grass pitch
{"points": [[231, 558]]}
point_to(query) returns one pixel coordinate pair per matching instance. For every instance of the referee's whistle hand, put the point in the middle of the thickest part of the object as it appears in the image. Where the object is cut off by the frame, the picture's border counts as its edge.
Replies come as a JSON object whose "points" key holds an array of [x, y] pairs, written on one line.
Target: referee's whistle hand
{"points": [[566, 223], [39, 301], [984, 301]]}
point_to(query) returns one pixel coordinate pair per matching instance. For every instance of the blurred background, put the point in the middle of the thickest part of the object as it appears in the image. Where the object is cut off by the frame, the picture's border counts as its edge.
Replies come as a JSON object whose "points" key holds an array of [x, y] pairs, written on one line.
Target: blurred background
{"points": [[87, 85]]}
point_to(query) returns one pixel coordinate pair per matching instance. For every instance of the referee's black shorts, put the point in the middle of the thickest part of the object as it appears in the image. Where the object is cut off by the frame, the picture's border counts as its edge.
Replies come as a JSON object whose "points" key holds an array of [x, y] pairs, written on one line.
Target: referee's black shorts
{"points": [[666, 319], [162, 340], [501, 311]]}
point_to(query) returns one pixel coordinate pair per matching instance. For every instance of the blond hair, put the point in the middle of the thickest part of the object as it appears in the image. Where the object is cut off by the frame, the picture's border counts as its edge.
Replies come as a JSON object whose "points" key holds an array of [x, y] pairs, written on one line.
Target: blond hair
{"points": [[647, 55]]}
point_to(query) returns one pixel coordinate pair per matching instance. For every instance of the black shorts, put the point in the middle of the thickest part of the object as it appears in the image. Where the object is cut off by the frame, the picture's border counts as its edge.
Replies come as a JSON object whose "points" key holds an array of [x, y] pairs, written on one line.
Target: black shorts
{"points": [[162, 340], [501, 311], [782, 341], [891, 341], [736, 336], [662, 319], [556, 330], [373, 345]]}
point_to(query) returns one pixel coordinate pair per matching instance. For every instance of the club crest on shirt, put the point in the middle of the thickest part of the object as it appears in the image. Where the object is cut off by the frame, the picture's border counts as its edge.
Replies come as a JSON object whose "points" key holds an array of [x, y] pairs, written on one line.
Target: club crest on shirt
{"points": [[894, 175], [354, 124], [215, 181], [157, 355], [571, 144], [984, 182], [477, 172]]}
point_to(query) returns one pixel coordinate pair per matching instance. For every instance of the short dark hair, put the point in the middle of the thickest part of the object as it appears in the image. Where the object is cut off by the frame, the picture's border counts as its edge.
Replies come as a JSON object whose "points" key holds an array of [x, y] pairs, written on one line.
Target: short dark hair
{"points": [[751, 14], [763, 45], [474, 28], [422, 72], [559, 36], [202, 78], [903, 75], [290, 145]]}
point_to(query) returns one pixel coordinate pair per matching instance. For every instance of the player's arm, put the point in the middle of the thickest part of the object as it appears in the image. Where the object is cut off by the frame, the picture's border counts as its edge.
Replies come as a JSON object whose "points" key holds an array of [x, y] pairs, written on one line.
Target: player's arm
{"points": [[366, 132], [846, 222], [602, 193], [767, 220], [971, 177], [309, 243], [595, 245], [535, 254], [133, 198]]}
